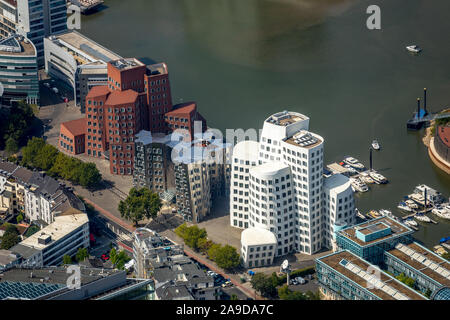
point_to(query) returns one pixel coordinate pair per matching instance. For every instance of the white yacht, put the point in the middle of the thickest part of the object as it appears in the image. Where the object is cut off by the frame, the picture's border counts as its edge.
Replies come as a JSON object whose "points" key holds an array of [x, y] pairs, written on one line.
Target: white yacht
{"points": [[354, 163], [375, 145], [378, 178], [422, 217], [366, 178], [403, 206], [442, 211], [414, 48], [411, 204], [358, 185], [350, 169], [411, 223]]}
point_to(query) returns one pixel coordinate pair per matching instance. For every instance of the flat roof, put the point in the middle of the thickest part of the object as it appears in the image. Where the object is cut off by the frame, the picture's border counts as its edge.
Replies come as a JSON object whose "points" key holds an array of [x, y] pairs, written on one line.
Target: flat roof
{"points": [[305, 139], [126, 63], [17, 45], [62, 226], [424, 261], [86, 45], [286, 118], [397, 229], [337, 182], [387, 289]]}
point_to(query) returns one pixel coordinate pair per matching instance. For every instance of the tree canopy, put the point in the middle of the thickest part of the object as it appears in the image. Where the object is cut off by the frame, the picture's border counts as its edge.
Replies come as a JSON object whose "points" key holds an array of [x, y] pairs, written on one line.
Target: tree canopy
{"points": [[263, 284], [15, 126], [140, 203], [10, 237], [82, 254], [38, 154], [119, 259], [226, 257], [67, 259]]}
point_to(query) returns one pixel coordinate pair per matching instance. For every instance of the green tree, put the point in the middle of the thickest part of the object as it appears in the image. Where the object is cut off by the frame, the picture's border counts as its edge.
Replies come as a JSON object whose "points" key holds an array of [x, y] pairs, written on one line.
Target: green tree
{"points": [[226, 257], [10, 237], [263, 284], [287, 294], [118, 259], [113, 255], [406, 280], [11, 146], [19, 218], [89, 176], [213, 250], [31, 150], [446, 256], [204, 244], [82, 254], [67, 259], [234, 297], [46, 157], [140, 203]]}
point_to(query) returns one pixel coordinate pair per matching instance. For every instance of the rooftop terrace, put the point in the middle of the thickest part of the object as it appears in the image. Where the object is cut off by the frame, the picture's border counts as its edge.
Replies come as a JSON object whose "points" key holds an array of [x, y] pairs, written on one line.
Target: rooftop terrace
{"points": [[286, 118], [305, 139]]}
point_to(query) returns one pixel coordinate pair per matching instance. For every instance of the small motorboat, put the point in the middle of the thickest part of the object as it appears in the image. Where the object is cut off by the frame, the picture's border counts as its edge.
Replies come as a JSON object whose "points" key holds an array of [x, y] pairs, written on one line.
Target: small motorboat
{"points": [[411, 204], [375, 145], [374, 214], [378, 178], [359, 214], [411, 223], [414, 48], [354, 163], [403, 206], [422, 218]]}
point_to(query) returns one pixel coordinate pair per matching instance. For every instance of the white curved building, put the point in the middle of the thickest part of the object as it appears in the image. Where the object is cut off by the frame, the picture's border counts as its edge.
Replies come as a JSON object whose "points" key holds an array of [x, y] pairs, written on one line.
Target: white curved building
{"points": [[257, 247], [245, 157], [271, 203], [339, 207], [286, 194]]}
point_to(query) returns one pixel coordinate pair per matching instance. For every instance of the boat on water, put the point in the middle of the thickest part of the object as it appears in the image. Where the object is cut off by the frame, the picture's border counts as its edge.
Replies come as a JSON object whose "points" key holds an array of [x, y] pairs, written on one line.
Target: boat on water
{"points": [[422, 217], [353, 162], [358, 185], [359, 214], [375, 145], [411, 204], [374, 214], [403, 206], [350, 169], [414, 48], [442, 211], [378, 178], [439, 250], [411, 223]]}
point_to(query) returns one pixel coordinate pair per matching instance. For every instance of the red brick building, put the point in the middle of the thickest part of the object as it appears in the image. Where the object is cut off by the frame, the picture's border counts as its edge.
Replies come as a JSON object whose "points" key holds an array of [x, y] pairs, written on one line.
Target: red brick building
{"points": [[136, 98], [183, 116], [72, 136]]}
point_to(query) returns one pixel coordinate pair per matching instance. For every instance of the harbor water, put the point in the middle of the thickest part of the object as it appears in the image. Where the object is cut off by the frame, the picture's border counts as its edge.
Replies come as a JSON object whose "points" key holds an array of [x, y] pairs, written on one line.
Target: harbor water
{"points": [[244, 60]]}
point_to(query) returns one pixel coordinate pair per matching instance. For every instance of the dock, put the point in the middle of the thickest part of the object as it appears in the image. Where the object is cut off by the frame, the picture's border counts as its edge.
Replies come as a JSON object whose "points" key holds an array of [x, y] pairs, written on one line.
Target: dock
{"points": [[87, 5]]}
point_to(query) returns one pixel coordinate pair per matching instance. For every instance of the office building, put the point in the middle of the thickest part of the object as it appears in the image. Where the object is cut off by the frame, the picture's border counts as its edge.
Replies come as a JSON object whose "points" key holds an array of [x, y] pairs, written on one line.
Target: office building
{"points": [[78, 61], [345, 276], [8, 17], [278, 185], [19, 70], [72, 136], [47, 247], [153, 166], [38, 19], [52, 283], [185, 116], [258, 247]]}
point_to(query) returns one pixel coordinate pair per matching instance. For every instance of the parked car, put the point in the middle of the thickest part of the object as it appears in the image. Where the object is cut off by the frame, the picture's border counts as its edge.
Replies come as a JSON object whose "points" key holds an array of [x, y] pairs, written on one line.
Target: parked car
{"points": [[55, 90], [105, 257], [294, 282], [46, 84], [300, 280]]}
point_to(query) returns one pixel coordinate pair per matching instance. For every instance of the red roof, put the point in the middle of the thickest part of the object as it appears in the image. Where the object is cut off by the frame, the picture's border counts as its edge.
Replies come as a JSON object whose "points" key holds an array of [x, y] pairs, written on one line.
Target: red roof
{"points": [[444, 133], [75, 127], [186, 108], [98, 91], [122, 97]]}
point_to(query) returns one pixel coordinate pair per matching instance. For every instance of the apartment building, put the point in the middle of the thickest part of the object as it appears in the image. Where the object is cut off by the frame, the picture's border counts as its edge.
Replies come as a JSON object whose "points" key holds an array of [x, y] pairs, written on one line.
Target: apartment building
{"points": [[38, 196], [19, 70], [185, 116], [68, 233], [78, 61]]}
